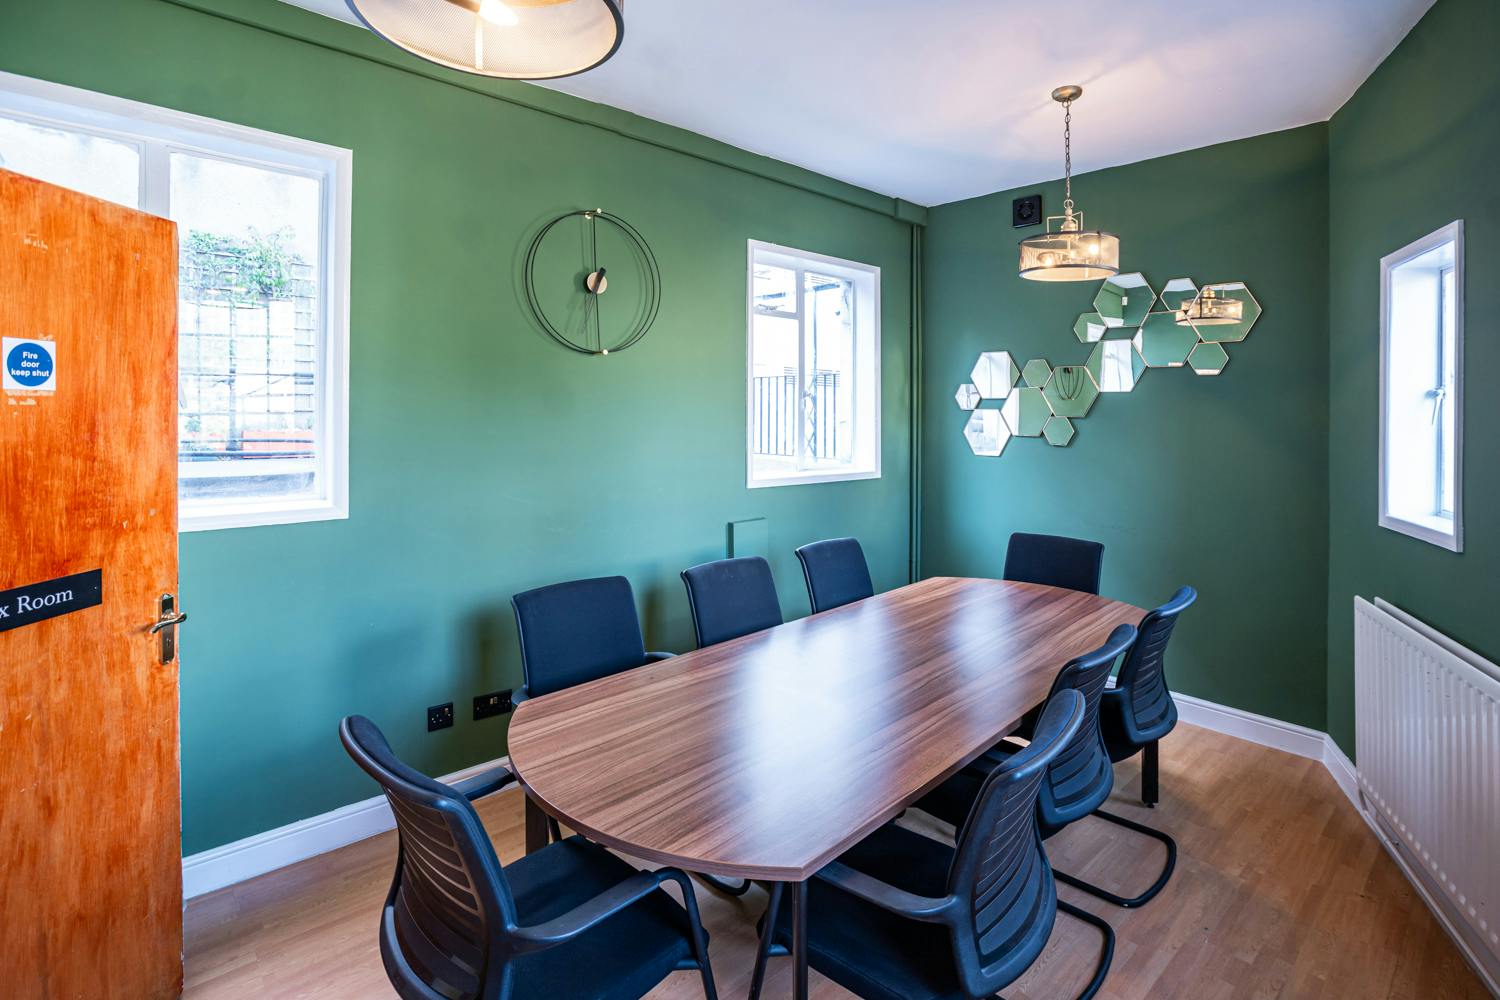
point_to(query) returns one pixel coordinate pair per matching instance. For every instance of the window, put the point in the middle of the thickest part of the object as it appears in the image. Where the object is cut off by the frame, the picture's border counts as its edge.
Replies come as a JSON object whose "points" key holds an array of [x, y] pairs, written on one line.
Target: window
{"points": [[263, 236], [813, 384], [1421, 391]]}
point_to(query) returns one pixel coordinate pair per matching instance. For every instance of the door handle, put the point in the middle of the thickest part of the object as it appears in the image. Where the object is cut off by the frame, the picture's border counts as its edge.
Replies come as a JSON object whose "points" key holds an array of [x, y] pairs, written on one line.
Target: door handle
{"points": [[166, 626]]}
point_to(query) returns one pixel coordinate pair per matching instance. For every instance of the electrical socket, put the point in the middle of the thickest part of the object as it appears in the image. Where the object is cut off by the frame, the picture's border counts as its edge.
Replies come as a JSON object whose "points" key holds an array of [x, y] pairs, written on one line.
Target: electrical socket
{"points": [[492, 704], [439, 716]]}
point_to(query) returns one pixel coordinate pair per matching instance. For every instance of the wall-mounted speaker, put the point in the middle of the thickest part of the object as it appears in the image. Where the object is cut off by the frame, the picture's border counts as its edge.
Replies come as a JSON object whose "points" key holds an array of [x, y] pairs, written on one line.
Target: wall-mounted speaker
{"points": [[1026, 211]]}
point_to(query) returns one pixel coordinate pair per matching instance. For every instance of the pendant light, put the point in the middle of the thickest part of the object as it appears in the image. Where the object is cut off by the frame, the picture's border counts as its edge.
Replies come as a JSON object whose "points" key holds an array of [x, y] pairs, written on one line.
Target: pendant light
{"points": [[508, 39], [1209, 308], [1069, 253]]}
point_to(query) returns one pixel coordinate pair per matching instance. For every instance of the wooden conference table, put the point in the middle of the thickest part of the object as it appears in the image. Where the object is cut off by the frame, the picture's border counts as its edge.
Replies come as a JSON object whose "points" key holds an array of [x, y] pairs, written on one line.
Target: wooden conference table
{"points": [[768, 756]]}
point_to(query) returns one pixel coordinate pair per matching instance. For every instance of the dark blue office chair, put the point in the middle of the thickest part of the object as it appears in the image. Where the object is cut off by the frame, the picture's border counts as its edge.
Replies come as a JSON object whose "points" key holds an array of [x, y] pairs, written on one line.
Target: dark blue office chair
{"points": [[836, 573], [1054, 560], [1078, 781], [571, 920], [1139, 710], [730, 598], [576, 632], [1133, 717], [904, 916]]}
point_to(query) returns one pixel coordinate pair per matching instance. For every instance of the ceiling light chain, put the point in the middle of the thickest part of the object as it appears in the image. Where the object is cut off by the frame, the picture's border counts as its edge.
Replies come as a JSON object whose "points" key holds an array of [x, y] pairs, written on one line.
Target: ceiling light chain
{"points": [[1068, 157], [1069, 252]]}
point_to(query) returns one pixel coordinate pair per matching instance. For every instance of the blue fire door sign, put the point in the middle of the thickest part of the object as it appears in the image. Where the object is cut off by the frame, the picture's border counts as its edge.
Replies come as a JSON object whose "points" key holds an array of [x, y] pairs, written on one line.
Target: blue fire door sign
{"points": [[29, 364]]}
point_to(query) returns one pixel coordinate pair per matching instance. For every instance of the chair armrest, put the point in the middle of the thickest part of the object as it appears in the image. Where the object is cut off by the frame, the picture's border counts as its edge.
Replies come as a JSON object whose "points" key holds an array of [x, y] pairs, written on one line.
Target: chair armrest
{"points": [[887, 896], [658, 657], [519, 695], [590, 913], [484, 783]]}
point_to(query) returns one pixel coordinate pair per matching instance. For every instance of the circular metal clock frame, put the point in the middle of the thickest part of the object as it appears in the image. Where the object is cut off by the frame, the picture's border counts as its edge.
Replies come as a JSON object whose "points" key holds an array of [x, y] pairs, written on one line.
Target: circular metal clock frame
{"points": [[595, 284]]}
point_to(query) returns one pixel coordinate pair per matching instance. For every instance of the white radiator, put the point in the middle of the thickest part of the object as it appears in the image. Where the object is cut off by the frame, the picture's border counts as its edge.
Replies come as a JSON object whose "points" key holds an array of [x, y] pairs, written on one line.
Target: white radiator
{"points": [[1427, 719]]}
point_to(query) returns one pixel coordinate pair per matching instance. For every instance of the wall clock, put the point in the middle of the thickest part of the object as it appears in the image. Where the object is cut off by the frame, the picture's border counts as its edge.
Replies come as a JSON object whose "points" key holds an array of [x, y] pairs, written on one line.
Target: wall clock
{"points": [[592, 282]]}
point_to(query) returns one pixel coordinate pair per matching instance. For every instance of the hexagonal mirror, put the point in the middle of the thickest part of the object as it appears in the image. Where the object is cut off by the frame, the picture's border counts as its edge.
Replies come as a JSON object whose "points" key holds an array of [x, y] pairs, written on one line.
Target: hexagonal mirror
{"points": [[1071, 392], [1124, 300], [1115, 366], [1037, 372], [1026, 412], [994, 374], [1177, 293], [1208, 359], [986, 433], [1058, 432], [1089, 327], [967, 397], [1223, 313], [1162, 342]]}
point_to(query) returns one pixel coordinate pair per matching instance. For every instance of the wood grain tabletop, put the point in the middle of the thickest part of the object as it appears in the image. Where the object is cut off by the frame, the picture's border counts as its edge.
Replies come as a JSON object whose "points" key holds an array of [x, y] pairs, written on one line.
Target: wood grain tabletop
{"points": [[769, 755]]}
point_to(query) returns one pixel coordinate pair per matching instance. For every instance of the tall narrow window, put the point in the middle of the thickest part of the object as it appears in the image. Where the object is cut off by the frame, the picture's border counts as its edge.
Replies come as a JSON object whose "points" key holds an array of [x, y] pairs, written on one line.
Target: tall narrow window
{"points": [[262, 287], [813, 391], [1421, 368], [248, 290]]}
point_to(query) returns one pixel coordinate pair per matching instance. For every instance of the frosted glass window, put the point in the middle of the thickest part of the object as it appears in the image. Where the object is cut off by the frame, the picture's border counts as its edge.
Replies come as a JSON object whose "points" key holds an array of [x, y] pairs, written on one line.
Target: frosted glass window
{"points": [[105, 168], [248, 319], [1421, 398], [263, 228]]}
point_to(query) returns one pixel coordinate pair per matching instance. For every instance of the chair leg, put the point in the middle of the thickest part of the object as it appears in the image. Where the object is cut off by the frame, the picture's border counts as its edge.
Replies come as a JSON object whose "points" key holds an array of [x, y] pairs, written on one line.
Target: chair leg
{"points": [[1150, 774], [1132, 901], [727, 886], [700, 943], [1108, 956], [767, 936]]}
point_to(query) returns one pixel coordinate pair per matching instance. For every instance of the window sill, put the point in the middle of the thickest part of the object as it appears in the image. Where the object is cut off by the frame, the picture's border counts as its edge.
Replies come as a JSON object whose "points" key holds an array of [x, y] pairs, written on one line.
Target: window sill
{"points": [[211, 517], [812, 477], [1443, 533]]}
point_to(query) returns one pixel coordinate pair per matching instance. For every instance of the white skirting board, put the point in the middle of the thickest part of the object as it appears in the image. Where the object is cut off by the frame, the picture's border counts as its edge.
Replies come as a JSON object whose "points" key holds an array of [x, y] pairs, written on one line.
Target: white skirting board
{"points": [[1305, 742], [307, 838], [266, 852]]}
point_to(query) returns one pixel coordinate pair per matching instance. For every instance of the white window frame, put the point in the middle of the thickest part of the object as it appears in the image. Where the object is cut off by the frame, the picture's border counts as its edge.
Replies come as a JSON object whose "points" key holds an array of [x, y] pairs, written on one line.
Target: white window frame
{"points": [[866, 281], [1428, 532], [157, 133]]}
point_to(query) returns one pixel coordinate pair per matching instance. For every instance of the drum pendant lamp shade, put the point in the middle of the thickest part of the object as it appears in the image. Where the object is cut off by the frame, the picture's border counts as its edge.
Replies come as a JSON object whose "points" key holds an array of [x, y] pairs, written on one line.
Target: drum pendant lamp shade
{"points": [[506, 39]]}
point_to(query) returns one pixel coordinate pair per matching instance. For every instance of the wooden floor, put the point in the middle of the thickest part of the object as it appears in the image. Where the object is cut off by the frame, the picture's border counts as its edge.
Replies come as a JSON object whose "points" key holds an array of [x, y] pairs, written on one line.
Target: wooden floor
{"points": [[1281, 891]]}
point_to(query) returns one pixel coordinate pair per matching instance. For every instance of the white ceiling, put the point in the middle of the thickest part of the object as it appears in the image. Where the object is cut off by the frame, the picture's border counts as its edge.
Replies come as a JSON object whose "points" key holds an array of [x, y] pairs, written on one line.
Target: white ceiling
{"points": [[937, 100]]}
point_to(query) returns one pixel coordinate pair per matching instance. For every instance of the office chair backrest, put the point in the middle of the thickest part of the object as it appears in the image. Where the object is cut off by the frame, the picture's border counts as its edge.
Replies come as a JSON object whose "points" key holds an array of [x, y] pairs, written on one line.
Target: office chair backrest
{"points": [[1081, 777], [449, 905], [1054, 560], [1000, 870], [836, 573], [730, 598], [1144, 672], [576, 632]]}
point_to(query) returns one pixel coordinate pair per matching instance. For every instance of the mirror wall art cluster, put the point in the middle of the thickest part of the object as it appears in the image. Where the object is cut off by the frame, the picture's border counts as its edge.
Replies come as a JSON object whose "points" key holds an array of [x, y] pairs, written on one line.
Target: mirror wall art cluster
{"points": [[1130, 330]]}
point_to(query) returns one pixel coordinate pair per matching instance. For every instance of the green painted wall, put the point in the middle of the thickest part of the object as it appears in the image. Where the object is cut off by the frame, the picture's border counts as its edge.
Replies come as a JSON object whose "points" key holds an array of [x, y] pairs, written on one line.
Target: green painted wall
{"points": [[1219, 482], [499, 462], [1414, 149]]}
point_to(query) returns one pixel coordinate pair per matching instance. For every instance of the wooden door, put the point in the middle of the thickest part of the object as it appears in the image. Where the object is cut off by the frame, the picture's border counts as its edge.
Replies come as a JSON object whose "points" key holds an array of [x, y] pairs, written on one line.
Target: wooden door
{"points": [[90, 853]]}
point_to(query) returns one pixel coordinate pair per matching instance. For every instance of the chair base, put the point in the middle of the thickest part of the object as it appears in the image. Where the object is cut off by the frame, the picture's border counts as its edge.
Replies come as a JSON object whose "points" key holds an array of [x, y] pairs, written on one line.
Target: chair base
{"points": [[1105, 958], [767, 946], [1128, 902], [699, 938], [729, 887]]}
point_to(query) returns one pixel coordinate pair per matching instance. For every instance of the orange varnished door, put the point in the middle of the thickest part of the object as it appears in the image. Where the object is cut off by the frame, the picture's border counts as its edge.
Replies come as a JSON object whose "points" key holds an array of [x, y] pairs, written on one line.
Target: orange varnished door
{"points": [[90, 863]]}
